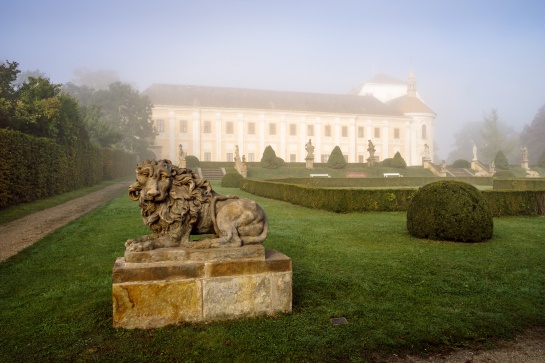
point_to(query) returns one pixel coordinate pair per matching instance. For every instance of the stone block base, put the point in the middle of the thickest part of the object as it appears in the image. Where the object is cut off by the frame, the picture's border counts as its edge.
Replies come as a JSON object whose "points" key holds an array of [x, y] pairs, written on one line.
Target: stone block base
{"points": [[170, 286]]}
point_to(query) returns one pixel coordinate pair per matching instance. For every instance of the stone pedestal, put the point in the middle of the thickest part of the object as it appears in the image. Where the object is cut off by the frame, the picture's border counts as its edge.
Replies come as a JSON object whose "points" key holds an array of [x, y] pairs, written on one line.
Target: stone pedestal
{"points": [[310, 163], [524, 165], [174, 285]]}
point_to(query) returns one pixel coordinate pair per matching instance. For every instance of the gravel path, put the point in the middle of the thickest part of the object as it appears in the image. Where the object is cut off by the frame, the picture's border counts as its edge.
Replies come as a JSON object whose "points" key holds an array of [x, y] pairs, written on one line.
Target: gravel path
{"points": [[528, 347], [25, 231]]}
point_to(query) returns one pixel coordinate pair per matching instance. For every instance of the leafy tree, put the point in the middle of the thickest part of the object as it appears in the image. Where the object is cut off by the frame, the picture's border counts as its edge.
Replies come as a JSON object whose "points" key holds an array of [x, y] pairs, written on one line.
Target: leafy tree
{"points": [[95, 79], [490, 135], [398, 161], [269, 159], [501, 161], [541, 161], [533, 135], [464, 140], [496, 136], [8, 95], [43, 110], [336, 159], [118, 115]]}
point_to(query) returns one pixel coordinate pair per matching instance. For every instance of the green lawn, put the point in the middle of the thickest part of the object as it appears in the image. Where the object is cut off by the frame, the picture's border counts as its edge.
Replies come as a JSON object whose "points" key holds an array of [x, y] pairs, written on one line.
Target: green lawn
{"points": [[398, 293]]}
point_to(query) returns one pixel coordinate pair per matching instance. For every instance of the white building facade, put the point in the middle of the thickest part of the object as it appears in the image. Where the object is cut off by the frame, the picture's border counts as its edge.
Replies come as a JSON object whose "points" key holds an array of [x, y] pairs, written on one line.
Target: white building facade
{"points": [[209, 122]]}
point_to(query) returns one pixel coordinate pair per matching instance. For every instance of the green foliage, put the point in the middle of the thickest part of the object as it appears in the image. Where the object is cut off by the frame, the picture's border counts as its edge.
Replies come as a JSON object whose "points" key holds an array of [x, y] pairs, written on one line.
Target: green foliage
{"points": [[461, 163], [192, 162], [506, 174], [541, 161], [450, 210], [8, 75], [116, 116], [269, 159], [34, 168], [231, 180], [533, 135], [336, 160], [398, 161], [501, 161], [496, 135]]}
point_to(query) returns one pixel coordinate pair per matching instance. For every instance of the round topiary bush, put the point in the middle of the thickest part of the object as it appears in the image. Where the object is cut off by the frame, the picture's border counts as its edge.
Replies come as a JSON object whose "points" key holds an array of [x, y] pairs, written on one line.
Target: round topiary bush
{"points": [[450, 210], [231, 180], [461, 163], [192, 161]]}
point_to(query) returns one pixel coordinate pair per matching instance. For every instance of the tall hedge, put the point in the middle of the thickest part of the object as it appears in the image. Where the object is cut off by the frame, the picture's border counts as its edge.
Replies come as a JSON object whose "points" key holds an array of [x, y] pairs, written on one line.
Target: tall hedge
{"points": [[32, 168]]}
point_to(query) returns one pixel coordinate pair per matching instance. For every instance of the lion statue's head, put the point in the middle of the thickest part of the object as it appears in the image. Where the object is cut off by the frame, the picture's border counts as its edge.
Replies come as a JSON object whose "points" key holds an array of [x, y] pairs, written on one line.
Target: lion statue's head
{"points": [[167, 194]]}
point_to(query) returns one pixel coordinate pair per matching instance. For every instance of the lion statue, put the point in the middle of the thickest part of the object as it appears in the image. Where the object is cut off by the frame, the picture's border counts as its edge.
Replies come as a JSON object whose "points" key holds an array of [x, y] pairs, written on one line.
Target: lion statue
{"points": [[175, 203]]}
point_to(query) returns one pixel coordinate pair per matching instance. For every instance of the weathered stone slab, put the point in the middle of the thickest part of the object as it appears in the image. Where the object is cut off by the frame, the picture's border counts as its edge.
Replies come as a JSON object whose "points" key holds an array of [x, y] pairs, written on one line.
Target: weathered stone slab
{"points": [[193, 254], [155, 294], [154, 304]]}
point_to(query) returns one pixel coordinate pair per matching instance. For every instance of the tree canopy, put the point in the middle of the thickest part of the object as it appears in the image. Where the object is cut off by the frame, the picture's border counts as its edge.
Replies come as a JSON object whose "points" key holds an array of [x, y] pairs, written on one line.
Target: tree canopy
{"points": [[490, 135], [336, 160], [39, 107], [533, 135], [117, 115]]}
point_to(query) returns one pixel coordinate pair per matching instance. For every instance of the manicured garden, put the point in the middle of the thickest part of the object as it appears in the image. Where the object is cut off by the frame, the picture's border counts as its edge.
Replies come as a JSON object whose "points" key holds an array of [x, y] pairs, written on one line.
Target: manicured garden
{"points": [[398, 293]]}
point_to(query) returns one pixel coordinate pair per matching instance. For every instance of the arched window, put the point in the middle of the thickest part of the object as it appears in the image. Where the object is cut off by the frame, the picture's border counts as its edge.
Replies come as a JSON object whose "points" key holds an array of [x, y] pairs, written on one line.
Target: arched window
{"points": [[424, 134]]}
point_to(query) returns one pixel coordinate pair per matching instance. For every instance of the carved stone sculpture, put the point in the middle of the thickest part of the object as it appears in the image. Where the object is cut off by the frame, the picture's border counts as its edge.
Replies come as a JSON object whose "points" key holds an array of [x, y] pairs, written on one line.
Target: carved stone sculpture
{"points": [[175, 203]]}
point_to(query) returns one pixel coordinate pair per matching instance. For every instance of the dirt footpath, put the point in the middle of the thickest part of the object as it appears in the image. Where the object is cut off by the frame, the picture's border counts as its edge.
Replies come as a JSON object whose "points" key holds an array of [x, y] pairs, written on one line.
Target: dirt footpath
{"points": [[529, 347], [25, 231]]}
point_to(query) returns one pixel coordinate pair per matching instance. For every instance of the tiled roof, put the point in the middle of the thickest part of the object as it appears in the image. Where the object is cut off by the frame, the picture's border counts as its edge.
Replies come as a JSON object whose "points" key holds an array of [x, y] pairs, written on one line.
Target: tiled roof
{"points": [[409, 104], [241, 98]]}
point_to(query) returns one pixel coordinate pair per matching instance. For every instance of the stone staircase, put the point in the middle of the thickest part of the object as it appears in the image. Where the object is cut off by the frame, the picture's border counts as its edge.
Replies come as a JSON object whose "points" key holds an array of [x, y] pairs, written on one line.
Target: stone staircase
{"points": [[460, 172], [212, 174]]}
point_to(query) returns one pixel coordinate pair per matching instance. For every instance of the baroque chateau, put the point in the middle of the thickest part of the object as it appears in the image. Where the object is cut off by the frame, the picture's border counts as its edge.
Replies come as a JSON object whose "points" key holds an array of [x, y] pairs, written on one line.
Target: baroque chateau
{"points": [[210, 122]]}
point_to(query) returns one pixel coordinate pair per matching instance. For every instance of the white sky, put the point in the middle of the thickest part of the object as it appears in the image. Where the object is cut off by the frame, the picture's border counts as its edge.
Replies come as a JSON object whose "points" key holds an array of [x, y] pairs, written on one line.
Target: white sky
{"points": [[468, 56]]}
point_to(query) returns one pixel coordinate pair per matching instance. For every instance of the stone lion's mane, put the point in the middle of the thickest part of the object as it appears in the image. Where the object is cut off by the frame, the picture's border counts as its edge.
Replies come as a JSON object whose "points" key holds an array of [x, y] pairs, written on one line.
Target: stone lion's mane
{"points": [[187, 196]]}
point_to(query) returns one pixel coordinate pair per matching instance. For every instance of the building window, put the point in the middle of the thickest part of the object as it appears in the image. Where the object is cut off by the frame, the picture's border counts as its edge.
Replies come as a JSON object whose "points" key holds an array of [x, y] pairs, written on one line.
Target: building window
{"points": [[292, 158], [272, 129], [293, 129], [377, 132], [251, 128], [183, 126], [360, 131], [344, 131], [396, 133], [424, 136], [324, 158], [327, 132], [361, 159], [251, 157], [207, 127], [310, 130], [207, 156], [229, 128], [160, 126], [230, 157]]}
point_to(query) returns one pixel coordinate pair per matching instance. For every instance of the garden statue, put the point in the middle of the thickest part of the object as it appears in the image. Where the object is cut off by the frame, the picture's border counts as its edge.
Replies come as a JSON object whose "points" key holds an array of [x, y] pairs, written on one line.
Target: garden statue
{"points": [[181, 157], [475, 152], [175, 202], [524, 158], [310, 150], [524, 153], [371, 149]]}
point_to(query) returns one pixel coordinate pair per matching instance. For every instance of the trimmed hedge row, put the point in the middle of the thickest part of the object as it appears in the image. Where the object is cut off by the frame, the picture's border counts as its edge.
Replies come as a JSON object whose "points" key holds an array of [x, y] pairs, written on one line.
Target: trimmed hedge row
{"points": [[379, 182], [502, 203], [519, 184], [33, 168]]}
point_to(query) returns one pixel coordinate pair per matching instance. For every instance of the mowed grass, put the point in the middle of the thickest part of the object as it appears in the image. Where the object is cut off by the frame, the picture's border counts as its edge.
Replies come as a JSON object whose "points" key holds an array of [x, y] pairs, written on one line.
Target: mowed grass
{"points": [[398, 293]]}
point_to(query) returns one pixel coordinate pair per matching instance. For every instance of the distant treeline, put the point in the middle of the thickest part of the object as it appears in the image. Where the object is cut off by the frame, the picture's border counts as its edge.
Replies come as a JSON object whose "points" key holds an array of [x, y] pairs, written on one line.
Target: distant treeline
{"points": [[33, 168]]}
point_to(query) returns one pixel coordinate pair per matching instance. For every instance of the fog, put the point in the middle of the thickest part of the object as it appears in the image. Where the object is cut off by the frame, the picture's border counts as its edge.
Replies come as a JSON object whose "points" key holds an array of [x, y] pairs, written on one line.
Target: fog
{"points": [[468, 56]]}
